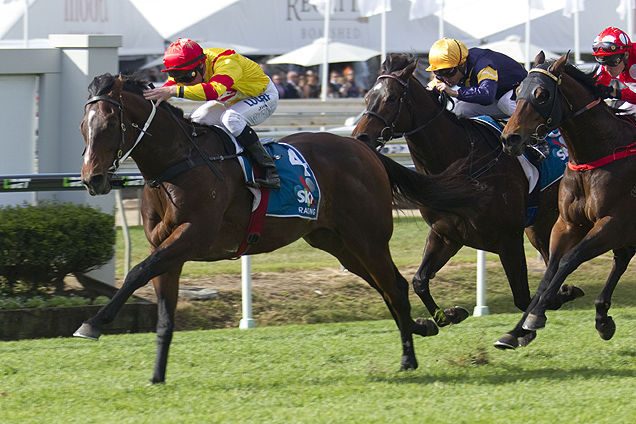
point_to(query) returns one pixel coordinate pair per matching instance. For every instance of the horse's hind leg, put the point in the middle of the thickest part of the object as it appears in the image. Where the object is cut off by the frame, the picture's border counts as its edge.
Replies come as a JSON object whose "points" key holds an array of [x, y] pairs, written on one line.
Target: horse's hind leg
{"points": [[167, 290], [379, 271], [437, 253], [605, 324]]}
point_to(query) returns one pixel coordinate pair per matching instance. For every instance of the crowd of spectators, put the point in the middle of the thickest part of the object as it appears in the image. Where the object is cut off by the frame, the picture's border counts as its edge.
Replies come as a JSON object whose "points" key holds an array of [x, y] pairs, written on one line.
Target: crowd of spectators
{"points": [[306, 85]]}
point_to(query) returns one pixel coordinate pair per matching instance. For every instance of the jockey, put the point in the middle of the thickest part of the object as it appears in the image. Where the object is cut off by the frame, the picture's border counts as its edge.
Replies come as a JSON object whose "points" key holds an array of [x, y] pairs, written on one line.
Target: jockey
{"points": [[613, 49], [482, 81], [238, 93]]}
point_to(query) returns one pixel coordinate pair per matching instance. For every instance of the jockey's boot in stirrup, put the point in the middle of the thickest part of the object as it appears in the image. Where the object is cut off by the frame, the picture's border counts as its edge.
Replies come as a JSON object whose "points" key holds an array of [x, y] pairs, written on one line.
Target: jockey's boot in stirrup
{"points": [[252, 145]]}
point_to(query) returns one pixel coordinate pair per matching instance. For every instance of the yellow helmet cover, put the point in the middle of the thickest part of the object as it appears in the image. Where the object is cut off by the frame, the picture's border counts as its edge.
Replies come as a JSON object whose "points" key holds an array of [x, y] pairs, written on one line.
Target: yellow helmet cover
{"points": [[447, 53]]}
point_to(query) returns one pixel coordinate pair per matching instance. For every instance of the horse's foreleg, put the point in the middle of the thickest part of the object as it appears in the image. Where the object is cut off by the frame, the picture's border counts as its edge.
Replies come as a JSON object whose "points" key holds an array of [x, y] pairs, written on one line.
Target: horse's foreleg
{"points": [[167, 289], [437, 253], [605, 233], [564, 237], [136, 278], [605, 324]]}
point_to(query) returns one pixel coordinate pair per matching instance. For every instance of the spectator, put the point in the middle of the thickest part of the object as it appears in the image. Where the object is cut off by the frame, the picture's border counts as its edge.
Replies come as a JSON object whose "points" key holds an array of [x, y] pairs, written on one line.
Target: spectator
{"points": [[350, 88], [277, 79], [311, 89], [333, 89], [292, 90]]}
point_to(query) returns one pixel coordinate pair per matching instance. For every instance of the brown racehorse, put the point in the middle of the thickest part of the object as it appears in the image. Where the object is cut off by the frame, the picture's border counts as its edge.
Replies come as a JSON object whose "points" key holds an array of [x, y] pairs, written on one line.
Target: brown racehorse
{"points": [[399, 105], [202, 212], [597, 196]]}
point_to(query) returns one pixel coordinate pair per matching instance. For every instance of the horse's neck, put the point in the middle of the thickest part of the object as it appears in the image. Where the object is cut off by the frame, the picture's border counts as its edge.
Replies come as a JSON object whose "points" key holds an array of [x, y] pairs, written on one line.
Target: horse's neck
{"points": [[439, 144], [594, 134], [164, 145]]}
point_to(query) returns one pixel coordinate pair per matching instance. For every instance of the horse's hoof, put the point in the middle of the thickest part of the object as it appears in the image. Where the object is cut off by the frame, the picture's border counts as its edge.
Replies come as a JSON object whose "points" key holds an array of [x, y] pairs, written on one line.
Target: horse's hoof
{"points": [[606, 328], [534, 322], [408, 363], [86, 331], [507, 341], [577, 292], [450, 316], [525, 340], [426, 327]]}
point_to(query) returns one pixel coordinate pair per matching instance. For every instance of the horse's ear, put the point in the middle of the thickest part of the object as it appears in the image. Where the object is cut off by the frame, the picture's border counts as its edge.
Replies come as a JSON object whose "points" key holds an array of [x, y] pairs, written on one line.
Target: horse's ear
{"points": [[117, 87], [558, 66], [539, 59], [406, 73]]}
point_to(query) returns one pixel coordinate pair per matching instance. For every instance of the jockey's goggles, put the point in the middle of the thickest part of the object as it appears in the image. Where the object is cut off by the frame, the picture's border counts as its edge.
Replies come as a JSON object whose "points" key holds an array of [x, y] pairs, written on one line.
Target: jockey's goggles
{"points": [[448, 72], [607, 47], [613, 60], [183, 77]]}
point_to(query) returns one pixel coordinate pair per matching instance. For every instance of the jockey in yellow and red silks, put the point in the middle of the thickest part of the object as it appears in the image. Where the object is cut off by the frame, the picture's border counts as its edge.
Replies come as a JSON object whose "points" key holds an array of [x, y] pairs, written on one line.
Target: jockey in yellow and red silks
{"points": [[237, 92]]}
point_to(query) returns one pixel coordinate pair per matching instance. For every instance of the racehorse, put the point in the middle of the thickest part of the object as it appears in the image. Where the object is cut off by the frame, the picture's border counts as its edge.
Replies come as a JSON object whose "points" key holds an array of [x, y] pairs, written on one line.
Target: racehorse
{"points": [[399, 105], [199, 207], [596, 198]]}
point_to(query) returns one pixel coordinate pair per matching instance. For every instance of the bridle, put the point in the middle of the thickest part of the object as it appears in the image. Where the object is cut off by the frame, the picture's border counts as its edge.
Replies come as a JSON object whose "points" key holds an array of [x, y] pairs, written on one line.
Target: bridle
{"points": [[550, 110], [121, 156], [388, 132]]}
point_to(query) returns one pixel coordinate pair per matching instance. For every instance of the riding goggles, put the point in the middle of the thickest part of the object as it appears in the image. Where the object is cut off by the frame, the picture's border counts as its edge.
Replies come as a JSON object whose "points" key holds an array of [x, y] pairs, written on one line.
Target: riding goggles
{"points": [[183, 77], [448, 72], [607, 47], [612, 60]]}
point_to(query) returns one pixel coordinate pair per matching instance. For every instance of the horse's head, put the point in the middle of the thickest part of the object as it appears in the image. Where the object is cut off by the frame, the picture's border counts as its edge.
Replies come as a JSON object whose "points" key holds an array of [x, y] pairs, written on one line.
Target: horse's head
{"points": [[550, 96], [104, 127], [385, 102]]}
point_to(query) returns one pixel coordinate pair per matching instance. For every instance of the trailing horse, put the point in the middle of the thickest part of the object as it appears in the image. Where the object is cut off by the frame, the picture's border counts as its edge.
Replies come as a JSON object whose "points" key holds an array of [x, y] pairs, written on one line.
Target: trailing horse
{"points": [[199, 207], [596, 197], [399, 105]]}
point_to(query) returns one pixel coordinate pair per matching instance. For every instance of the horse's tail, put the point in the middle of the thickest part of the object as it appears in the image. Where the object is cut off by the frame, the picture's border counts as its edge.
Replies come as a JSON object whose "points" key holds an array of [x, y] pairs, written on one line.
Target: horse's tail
{"points": [[449, 191]]}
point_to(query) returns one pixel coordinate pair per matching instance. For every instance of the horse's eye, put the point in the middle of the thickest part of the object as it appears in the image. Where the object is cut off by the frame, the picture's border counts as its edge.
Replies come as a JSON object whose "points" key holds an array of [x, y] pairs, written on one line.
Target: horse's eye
{"points": [[392, 98], [542, 97]]}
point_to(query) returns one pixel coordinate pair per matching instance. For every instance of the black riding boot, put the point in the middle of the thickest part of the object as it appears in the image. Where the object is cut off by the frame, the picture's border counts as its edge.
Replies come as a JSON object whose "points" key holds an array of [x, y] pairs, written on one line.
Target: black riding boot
{"points": [[252, 145]]}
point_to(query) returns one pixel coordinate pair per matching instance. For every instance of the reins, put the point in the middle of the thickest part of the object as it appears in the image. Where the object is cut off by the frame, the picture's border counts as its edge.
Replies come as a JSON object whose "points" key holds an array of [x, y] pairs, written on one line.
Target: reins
{"points": [[168, 173], [388, 132], [390, 126], [120, 157], [620, 152]]}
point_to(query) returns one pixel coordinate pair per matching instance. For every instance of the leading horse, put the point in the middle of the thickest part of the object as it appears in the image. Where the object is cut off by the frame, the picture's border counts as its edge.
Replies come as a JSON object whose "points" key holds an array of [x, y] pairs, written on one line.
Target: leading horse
{"points": [[399, 105], [199, 208], [597, 197]]}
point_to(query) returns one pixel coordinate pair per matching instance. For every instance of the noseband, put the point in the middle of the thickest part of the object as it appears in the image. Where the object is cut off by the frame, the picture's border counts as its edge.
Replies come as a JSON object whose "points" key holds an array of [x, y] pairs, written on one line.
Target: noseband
{"points": [[120, 157], [550, 110], [388, 132]]}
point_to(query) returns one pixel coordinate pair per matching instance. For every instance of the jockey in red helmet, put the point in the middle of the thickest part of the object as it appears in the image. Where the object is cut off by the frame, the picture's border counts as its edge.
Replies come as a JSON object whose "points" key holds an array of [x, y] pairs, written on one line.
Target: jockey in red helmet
{"points": [[613, 49], [238, 93]]}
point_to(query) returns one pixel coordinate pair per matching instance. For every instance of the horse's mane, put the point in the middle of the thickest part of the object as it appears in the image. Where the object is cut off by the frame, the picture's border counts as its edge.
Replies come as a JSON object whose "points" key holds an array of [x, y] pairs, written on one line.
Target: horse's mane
{"points": [[134, 83], [396, 62]]}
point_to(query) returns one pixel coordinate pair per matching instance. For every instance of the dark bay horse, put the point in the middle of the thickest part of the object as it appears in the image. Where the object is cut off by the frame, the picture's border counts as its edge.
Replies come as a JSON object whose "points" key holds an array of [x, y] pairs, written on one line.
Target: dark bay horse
{"points": [[202, 212], [399, 105], [597, 197]]}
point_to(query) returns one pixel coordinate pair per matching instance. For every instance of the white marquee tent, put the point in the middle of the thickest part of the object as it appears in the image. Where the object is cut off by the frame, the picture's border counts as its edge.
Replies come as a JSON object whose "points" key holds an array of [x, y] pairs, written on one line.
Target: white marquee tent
{"points": [[277, 27]]}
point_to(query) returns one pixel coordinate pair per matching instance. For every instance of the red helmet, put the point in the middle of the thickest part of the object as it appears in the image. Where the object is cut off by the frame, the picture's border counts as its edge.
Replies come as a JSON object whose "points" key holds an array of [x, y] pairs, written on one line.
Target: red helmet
{"points": [[182, 55], [610, 41]]}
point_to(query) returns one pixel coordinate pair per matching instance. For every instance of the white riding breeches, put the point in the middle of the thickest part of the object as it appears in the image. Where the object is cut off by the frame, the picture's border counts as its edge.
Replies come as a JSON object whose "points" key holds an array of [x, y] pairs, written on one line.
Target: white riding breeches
{"points": [[501, 109], [234, 117]]}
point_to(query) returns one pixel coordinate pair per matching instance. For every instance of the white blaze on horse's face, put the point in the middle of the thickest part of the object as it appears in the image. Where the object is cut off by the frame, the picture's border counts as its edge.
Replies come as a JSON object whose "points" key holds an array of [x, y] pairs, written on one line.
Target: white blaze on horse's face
{"points": [[378, 86], [89, 135]]}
